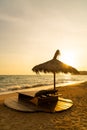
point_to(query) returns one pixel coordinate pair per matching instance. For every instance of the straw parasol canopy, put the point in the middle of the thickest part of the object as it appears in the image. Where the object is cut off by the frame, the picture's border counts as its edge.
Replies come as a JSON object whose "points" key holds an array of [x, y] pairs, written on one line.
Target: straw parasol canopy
{"points": [[54, 66]]}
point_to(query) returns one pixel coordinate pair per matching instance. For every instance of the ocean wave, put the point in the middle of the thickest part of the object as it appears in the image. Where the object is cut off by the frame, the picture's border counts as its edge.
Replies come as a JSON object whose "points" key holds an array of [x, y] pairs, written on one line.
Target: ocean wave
{"points": [[15, 88], [15, 83]]}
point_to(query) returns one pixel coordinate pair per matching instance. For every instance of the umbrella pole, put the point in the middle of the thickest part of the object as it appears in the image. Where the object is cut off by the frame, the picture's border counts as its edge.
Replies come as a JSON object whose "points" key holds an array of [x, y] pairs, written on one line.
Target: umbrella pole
{"points": [[54, 81]]}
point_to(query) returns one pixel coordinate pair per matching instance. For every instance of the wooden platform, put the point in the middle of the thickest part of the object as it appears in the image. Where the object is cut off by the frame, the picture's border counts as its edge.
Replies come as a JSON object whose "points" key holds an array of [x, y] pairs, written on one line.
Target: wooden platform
{"points": [[24, 106]]}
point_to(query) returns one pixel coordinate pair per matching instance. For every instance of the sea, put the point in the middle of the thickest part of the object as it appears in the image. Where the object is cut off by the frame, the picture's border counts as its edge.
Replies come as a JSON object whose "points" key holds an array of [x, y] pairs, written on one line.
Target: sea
{"points": [[16, 83]]}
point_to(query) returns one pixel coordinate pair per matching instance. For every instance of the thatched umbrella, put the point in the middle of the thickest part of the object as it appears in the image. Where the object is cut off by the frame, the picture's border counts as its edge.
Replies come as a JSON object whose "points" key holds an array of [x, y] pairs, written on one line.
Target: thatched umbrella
{"points": [[54, 66]]}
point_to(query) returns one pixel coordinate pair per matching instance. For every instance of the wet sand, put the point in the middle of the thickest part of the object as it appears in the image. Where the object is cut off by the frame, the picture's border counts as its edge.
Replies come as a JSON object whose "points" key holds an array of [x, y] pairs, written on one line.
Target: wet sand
{"points": [[74, 118]]}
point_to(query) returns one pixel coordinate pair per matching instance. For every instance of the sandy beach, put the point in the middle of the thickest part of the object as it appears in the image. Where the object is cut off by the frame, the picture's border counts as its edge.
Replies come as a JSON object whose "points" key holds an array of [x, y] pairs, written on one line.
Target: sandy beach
{"points": [[74, 118]]}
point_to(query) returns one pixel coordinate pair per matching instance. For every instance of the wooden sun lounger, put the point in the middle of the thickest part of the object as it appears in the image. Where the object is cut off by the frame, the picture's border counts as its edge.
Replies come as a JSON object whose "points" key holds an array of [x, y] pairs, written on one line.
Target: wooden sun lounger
{"points": [[38, 98], [27, 96]]}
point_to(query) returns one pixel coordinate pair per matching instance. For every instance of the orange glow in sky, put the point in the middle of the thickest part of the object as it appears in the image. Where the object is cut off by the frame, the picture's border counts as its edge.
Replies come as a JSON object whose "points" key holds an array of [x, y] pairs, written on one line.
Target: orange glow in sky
{"points": [[32, 30], [69, 59]]}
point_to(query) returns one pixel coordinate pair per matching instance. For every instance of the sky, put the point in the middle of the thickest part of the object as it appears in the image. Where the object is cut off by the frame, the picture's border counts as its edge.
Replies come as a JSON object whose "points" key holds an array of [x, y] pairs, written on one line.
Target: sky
{"points": [[32, 30]]}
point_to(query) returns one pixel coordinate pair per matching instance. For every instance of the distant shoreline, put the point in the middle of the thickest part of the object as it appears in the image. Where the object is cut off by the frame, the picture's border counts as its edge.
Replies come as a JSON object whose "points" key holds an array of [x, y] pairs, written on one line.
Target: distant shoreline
{"points": [[83, 72]]}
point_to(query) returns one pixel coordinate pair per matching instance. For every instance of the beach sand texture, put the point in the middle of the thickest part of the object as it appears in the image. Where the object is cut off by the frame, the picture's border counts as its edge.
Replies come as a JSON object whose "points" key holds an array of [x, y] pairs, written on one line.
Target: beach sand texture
{"points": [[74, 118]]}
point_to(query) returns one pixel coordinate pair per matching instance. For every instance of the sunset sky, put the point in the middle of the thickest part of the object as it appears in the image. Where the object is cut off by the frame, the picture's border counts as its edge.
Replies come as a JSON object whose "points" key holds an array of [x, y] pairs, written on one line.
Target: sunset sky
{"points": [[32, 30]]}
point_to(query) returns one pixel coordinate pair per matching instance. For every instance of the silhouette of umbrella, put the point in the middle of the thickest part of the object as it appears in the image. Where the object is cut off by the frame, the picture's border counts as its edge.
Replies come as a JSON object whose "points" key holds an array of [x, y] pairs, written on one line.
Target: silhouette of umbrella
{"points": [[54, 66]]}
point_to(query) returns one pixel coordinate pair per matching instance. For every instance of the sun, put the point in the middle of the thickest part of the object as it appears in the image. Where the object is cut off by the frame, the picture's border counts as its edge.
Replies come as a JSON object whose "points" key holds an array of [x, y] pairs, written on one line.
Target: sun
{"points": [[69, 58]]}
